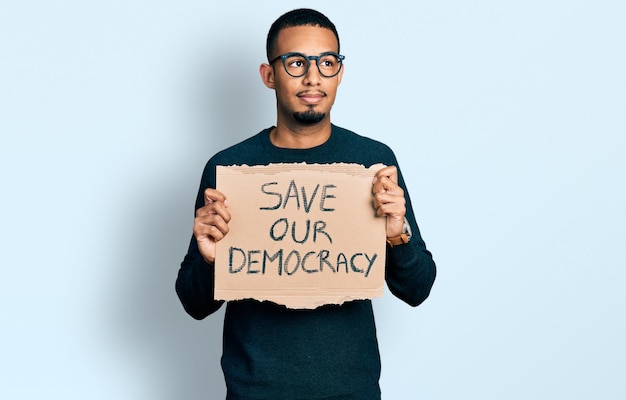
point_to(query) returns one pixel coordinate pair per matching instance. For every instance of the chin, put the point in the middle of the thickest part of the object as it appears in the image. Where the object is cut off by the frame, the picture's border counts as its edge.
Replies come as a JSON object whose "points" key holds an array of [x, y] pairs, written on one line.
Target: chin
{"points": [[309, 117]]}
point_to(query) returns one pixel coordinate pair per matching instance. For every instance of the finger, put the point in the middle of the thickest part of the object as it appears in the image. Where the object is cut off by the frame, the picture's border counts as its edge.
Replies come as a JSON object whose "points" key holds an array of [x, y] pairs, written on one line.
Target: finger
{"points": [[215, 208], [383, 185], [210, 232], [387, 192], [213, 195], [390, 172], [390, 196], [387, 205], [210, 226], [386, 180], [393, 210]]}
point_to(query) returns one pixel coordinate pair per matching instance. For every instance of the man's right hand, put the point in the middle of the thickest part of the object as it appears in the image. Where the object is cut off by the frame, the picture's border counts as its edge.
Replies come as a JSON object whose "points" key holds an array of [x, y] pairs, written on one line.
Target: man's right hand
{"points": [[211, 223]]}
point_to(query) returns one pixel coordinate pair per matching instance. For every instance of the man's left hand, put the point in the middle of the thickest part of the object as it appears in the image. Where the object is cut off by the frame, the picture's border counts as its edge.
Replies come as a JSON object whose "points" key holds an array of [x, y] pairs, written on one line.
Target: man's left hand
{"points": [[389, 199]]}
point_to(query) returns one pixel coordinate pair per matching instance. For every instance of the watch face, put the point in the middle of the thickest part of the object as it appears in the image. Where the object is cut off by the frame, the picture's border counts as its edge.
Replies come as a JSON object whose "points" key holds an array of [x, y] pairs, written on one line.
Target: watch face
{"points": [[406, 229]]}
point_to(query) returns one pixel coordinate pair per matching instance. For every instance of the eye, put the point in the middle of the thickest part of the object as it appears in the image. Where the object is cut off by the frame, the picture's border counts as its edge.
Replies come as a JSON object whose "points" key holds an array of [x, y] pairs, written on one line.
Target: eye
{"points": [[295, 62], [328, 62]]}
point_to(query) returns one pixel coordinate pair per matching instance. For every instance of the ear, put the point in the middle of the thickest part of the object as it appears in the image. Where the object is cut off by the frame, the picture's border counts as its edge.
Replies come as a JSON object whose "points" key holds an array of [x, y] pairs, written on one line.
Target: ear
{"points": [[267, 75]]}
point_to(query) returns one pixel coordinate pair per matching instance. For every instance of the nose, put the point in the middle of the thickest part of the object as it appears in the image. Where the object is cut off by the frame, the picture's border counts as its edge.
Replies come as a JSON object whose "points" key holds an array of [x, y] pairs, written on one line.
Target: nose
{"points": [[312, 76]]}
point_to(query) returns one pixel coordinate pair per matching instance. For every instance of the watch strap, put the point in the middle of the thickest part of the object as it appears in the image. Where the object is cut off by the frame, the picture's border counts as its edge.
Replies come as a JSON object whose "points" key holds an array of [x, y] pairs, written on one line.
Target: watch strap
{"points": [[398, 240]]}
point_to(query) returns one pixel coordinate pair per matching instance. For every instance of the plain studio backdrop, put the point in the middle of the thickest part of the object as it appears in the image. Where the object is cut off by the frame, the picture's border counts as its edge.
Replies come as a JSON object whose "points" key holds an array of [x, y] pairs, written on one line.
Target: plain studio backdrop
{"points": [[508, 121]]}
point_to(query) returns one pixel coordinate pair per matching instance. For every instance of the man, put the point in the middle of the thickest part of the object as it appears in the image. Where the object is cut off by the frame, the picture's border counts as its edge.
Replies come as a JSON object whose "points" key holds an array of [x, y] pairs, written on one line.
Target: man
{"points": [[330, 353]]}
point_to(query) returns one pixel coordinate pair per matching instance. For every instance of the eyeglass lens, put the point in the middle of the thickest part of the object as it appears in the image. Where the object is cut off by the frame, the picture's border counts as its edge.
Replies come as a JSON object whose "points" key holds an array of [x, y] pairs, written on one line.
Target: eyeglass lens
{"points": [[297, 65]]}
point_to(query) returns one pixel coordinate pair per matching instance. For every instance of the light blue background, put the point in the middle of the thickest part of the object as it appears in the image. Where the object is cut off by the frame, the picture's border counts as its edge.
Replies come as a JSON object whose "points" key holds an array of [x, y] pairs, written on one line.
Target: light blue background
{"points": [[508, 120]]}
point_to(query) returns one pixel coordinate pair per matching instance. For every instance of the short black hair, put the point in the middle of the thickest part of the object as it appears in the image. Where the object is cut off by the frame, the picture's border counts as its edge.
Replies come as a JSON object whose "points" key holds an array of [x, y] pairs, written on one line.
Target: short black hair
{"points": [[298, 17]]}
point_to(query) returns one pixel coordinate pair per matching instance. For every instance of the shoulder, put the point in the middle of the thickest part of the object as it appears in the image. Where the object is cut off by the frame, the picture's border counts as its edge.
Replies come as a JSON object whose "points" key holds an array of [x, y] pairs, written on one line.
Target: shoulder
{"points": [[364, 146], [244, 152], [347, 136], [240, 152]]}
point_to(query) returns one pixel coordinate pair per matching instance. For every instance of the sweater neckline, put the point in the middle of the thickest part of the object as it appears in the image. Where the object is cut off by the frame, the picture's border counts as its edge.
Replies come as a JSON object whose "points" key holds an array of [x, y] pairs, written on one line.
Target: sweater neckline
{"points": [[324, 147]]}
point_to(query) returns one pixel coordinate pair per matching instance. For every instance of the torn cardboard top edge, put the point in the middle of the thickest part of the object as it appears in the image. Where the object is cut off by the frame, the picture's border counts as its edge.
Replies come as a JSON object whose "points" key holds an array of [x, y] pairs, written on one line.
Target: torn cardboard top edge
{"points": [[275, 168]]}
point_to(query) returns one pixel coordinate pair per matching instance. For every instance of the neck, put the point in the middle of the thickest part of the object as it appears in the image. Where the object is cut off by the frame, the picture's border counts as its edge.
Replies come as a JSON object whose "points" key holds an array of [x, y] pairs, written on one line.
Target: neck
{"points": [[299, 136]]}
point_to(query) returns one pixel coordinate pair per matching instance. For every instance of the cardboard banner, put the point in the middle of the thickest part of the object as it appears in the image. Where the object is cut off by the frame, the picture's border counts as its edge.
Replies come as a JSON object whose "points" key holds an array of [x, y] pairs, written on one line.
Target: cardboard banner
{"points": [[301, 235]]}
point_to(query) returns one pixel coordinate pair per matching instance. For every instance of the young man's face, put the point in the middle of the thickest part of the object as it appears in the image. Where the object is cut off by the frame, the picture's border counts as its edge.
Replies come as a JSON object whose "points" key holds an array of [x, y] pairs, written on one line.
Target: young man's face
{"points": [[308, 99]]}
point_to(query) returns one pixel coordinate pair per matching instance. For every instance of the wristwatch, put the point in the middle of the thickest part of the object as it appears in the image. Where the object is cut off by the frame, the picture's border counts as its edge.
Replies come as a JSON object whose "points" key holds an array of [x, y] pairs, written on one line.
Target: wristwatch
{"points": [[403, 238]]}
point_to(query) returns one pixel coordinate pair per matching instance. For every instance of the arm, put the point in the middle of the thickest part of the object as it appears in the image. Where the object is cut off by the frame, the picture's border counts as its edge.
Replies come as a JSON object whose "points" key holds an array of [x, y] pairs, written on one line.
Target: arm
{"points": [[196, 277], [410, 270], [195, 283]]}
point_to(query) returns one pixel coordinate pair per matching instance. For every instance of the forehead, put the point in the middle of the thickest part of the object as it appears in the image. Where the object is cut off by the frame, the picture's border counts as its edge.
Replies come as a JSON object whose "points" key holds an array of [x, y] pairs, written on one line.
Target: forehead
{"points": [[307, 39]]}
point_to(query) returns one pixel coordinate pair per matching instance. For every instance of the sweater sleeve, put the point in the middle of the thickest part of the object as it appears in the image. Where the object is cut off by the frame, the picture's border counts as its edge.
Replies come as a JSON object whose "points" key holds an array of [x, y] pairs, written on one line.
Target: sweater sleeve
{"points": [[410, 269], [196, 278], [195, 284]]}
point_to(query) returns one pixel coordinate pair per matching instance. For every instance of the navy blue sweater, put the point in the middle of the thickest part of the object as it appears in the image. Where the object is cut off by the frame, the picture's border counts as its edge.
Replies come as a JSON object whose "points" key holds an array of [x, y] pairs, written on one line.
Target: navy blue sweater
{"points": [[329, 353]]}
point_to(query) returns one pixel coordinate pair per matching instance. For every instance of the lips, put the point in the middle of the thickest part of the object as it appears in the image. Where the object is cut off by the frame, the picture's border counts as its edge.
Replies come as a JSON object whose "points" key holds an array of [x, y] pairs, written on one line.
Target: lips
{"points": [[311, 97]]}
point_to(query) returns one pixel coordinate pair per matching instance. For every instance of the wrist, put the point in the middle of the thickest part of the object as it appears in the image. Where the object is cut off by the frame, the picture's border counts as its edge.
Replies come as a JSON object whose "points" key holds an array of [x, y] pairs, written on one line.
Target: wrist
{"points": [[402, 238]]}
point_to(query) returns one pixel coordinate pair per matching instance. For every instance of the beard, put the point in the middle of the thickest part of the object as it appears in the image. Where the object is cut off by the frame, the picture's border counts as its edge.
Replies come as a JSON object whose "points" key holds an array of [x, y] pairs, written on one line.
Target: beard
{"points": [[309, 117]]}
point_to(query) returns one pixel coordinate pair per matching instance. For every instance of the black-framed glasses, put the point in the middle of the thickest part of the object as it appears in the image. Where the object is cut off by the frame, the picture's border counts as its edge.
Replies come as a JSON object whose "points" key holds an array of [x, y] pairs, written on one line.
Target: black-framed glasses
{"points": [[297, 64]]}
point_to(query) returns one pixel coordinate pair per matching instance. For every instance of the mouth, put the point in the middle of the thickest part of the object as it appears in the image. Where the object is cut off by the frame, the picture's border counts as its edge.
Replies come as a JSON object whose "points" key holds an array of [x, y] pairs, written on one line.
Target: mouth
{"points": [[311, 97]]}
